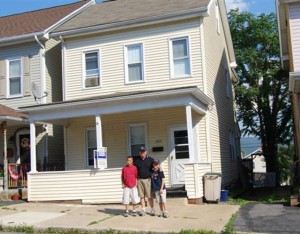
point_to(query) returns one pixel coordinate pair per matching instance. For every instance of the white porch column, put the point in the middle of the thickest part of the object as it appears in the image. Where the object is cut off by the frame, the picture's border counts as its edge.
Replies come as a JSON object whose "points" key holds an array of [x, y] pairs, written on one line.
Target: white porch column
{"points": [[189, 123], [32, 147], [99, 132]]}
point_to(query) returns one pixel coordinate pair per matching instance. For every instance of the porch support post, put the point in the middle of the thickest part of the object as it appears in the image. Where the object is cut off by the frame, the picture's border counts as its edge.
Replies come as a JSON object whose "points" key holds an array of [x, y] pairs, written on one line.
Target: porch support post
{"points": [[189, 123], [32, 147], [5, 179], [99, 132]]}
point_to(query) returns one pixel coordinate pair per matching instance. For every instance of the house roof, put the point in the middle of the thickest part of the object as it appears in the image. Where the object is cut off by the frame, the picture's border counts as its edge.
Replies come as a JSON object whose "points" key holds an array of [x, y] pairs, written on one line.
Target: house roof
{"points": [[10, 112], [116, 11], [35, 21]]}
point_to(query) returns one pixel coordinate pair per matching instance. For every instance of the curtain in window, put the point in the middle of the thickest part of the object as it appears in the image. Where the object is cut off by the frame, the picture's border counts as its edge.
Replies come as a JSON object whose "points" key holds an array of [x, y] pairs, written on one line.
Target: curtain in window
{"points": [[91, 64], [15, 77], [134, 63], [137, 138], [181, 58], [91, 146]]}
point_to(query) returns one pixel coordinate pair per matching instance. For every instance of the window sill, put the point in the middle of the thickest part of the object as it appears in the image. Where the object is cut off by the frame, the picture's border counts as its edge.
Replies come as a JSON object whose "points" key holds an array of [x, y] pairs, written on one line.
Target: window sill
{"points": [[15, 96], [135, 82], [180, 77]]}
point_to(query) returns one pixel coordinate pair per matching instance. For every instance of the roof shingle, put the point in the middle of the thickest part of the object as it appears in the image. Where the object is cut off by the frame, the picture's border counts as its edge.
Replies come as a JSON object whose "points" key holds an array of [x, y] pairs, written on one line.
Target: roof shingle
{"points": [[35, 21], [125, 10], [7, 111]]}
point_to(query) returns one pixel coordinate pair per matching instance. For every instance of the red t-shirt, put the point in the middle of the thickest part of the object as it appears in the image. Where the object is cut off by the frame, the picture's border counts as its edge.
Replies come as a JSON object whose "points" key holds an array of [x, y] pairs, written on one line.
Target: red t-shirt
{"points": [[129, 176]]}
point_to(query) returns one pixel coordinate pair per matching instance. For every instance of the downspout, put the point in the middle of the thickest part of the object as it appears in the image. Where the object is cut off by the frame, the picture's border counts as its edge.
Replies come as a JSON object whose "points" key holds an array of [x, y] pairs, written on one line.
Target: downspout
{"points": [[63, 54], [42, 70]]}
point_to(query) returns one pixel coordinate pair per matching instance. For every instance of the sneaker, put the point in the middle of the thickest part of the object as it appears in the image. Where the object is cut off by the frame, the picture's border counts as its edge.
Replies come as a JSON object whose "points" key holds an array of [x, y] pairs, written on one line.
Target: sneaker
{"points": [[134, 213], [142, 213], [165, 215], [152, 212], [161, 214], [125, 214]]}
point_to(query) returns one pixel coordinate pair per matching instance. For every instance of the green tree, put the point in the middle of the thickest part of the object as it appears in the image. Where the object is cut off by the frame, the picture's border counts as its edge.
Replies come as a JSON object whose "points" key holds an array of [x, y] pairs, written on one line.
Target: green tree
{"points": [[262, 93], [285, 163]]}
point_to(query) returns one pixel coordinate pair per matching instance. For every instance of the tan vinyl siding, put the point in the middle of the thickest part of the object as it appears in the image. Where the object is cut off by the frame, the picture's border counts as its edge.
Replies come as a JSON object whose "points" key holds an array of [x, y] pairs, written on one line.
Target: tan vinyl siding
{"points": [[294, 21], [55, 145], [53, 71], [100, 186], [194, 179], [222, 114], [156, 59], [115, 136], [31, 50]]}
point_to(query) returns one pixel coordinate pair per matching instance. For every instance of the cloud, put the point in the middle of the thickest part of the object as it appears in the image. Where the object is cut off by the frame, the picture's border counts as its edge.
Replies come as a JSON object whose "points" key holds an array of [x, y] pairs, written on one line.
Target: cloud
{"points": [[243, 5]]}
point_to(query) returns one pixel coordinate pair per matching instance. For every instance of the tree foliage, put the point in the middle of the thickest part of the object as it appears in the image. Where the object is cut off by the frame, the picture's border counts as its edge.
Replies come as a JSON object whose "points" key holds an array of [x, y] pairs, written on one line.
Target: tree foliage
{"points": [[262, 97]]}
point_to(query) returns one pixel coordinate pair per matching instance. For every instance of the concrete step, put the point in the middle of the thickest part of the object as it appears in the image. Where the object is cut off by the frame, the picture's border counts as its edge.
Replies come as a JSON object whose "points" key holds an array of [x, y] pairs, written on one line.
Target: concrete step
{"points": [[182, 201]]}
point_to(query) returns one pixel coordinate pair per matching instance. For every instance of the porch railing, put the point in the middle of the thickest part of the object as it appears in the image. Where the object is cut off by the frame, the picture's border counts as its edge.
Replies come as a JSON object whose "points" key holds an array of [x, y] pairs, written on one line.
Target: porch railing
{"points": [[17, 173]]}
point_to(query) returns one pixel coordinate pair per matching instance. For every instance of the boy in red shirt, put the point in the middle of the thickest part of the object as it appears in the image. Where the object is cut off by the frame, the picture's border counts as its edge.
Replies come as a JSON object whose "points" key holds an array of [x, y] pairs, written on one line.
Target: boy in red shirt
{"points": [[129, 182]]}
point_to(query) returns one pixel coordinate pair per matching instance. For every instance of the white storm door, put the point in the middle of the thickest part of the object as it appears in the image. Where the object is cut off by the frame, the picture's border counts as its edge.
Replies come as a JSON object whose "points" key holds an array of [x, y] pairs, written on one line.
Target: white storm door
{"points": [[179, 154]]}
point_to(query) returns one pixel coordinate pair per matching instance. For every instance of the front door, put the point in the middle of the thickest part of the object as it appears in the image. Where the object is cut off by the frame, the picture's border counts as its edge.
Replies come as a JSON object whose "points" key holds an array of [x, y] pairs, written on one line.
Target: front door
{"points": [[179, 154], [23, 146]]}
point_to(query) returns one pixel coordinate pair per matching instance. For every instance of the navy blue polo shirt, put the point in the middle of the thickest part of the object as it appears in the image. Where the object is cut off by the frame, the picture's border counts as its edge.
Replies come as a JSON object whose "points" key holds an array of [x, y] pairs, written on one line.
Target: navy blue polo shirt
{"points": [[156, 180], [144, 167]]}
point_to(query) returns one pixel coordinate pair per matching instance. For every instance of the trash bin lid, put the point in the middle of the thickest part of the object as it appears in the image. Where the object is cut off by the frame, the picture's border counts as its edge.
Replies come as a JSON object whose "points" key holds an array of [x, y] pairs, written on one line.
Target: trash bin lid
{"points": [[213, 174]]}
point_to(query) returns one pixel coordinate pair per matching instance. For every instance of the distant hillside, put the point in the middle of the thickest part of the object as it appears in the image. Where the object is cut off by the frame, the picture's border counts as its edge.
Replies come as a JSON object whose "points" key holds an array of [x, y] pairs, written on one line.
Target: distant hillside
{"points": [[249, 144]]}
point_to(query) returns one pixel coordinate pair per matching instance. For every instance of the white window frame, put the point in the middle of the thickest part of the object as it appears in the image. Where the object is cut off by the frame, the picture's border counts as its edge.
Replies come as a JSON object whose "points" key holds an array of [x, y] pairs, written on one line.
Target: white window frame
{"points": [[84, 77], [129, 136], [228, 83], [87, 146], [8, 95], [218, 18], [171, 59], [126, 63]]}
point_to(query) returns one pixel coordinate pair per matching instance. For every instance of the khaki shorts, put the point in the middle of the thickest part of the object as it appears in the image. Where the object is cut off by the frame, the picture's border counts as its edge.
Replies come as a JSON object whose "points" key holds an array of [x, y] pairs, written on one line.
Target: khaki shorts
{"points": [[161, 198], [144, 188]]}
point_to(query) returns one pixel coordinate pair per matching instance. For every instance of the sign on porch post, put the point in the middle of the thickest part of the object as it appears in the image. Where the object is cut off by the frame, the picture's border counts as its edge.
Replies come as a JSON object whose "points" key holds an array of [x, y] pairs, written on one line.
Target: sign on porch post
{"points": [[100, 158]]}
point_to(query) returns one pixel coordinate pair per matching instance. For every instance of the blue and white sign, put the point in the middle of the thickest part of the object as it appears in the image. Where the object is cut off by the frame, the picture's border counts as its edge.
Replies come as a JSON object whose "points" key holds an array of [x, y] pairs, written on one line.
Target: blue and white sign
{"points": [[100, 158]]}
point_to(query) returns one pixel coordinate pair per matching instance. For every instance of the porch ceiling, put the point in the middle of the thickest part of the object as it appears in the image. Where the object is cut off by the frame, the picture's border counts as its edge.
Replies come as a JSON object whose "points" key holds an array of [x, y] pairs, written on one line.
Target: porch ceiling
{"points": [[121, 102]]}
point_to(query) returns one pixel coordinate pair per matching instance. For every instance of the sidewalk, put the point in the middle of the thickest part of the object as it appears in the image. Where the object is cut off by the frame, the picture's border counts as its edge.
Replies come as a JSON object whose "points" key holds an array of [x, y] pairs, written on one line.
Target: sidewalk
{"points": [[212, 217]]}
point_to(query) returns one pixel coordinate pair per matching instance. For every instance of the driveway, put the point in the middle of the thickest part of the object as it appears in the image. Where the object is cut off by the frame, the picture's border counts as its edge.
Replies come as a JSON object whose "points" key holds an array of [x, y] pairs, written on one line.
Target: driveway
{"points": [[268, 218]]}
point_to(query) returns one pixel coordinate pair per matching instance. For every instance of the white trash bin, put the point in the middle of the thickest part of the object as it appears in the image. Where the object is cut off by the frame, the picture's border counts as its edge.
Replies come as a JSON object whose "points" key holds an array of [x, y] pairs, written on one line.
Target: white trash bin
{"points": [[212, 186]]}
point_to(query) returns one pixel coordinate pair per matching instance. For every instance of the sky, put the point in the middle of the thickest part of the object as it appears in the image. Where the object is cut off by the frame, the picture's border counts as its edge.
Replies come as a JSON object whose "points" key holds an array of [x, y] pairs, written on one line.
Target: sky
{"points": [[9, 7]]}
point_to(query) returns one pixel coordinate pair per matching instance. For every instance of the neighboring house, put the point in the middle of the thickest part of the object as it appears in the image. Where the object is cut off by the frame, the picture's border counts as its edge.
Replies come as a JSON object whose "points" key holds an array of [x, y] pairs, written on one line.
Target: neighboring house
{"points": [[288, 14], [258, 161], [30, 74], [138, 73]]}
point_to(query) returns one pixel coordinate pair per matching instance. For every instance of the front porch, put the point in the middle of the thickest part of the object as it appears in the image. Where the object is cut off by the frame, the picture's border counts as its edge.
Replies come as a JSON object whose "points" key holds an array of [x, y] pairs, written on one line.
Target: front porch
{"points": [[171, 124]]}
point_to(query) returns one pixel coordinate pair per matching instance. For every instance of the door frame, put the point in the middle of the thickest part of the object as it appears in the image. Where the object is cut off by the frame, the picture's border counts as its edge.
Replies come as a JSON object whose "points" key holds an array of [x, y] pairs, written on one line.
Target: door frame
{"points": [[171, 129]]}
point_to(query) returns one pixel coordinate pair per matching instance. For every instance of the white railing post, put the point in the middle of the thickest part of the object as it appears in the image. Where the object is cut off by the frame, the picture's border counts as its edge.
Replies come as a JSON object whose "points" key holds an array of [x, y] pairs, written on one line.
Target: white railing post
{"points": [[32, 148], [189, 123], [99, 132]]}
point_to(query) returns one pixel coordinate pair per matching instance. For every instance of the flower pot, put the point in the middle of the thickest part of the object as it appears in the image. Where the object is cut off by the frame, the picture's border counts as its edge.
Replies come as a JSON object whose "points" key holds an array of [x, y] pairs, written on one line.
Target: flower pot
{"points": [[15, 197]]}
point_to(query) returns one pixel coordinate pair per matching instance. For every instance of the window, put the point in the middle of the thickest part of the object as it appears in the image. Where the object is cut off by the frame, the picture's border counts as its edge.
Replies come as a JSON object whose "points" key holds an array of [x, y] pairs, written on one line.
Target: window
{"points": [[91, 69], [228, 83], [91, 145], [232, 148], [217, 17], [14, 77], [134, 69], [180, 59], [137, 138]]}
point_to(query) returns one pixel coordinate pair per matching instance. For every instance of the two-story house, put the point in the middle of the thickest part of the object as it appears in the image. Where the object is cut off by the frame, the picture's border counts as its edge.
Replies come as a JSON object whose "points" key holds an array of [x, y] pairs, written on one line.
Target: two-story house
{"points": [[153, 73], [288, 14], [30, 74]]}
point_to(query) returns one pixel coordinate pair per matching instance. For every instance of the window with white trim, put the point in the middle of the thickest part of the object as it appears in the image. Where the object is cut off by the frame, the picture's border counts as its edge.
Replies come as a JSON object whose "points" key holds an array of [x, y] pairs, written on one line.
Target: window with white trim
{"points": [[180, 57], [134, 66], [91, 69], [217, 17], [137, 138], [14, 77], [228, 83], [91, 145]]}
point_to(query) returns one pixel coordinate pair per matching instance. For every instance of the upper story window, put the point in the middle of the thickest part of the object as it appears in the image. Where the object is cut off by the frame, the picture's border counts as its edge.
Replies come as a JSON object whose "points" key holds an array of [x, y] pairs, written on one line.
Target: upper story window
{"points": [[14, 77], [217, 17], [180, 57], [134, 67], [91, 69]]}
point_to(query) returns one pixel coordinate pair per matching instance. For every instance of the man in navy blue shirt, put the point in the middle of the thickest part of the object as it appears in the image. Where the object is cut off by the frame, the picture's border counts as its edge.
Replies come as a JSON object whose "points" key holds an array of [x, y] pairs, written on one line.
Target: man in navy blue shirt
{"points": [[144, 167]]}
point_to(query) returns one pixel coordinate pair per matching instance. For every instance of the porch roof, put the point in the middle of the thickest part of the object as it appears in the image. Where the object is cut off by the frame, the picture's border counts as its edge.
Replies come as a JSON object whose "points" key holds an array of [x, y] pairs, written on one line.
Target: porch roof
{"points": [[11, 116], [121, 102]]}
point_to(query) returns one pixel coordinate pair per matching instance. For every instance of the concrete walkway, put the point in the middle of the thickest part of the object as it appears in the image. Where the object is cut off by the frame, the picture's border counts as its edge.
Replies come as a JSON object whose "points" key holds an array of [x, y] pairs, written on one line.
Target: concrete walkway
{"points": [[212, 217]]}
